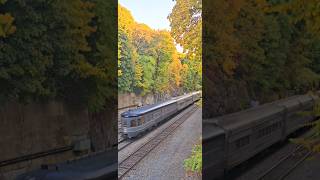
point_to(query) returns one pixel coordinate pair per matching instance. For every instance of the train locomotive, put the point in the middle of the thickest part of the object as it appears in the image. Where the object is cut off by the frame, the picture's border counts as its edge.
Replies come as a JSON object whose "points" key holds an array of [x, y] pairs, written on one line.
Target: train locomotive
{"points": [[232, 139], [137, 121]]}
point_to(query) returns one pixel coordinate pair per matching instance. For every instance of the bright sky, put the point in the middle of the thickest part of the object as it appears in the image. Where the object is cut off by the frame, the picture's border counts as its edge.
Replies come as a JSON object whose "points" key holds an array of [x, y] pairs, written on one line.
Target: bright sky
{"points": [[154, 13]]}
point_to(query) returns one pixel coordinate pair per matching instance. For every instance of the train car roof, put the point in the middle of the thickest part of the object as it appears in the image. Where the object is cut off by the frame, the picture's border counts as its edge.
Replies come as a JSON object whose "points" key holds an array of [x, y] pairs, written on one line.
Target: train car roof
{"points": [[258, 114], [144, 109], [290, 103], [247, 117], [210, 129], [148, 108], [306, 98]]}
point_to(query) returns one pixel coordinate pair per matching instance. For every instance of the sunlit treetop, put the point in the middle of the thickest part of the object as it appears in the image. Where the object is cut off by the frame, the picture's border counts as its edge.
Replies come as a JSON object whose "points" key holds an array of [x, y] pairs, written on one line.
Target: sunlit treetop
{"points": [[125, 20], [186, 26]]}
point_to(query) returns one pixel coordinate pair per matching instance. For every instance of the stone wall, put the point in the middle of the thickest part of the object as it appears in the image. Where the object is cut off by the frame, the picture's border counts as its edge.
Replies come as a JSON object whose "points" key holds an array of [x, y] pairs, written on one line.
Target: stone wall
{"points": [[131, 99], [33, 128]]}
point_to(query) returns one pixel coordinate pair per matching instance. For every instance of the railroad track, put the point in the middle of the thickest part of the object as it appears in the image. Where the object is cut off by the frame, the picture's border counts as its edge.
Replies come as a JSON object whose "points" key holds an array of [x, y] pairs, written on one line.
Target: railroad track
{"points": [[123, 144], [287, 164], [128, 163]]}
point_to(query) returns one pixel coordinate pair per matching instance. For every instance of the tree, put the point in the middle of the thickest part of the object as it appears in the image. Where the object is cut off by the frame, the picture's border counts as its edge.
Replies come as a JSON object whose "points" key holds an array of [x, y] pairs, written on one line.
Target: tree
{"points": [[251, 56], [164, 49], [307, 12], [59, 51], [6, 23], [102, 84], [148, 60], [142, 36], [186, 26], [186, 29], [148, 64], [125, 81]]}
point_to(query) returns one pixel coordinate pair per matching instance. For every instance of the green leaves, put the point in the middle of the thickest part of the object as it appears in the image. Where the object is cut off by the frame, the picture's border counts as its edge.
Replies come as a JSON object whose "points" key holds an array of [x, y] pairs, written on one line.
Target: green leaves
{"points": [[186, 26], [194, 162], [266, 48], [148, 60], [63, 50]]}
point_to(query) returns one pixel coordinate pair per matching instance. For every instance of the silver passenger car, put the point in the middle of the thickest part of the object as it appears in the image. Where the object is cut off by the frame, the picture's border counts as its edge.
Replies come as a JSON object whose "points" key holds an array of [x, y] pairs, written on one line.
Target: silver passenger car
{"points": [[135, 122], [249, 132]]}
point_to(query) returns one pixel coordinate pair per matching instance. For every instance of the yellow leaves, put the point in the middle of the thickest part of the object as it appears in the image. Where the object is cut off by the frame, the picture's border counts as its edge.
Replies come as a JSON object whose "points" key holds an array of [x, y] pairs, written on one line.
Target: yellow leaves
{"points": [[138, 74], [167, 72], [175, 69], [308, 11], [142, 35], [186, 26], [143, 31], [86, 70], [6, 25], [125, 20]]}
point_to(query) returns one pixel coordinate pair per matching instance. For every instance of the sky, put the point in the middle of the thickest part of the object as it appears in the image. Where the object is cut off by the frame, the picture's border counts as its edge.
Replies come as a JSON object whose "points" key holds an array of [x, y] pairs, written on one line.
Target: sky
{"points": [[154, 13]]}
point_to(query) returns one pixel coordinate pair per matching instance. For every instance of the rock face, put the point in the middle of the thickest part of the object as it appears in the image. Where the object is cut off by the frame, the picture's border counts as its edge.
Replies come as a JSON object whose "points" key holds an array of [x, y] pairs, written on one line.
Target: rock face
{"points": [[127, 100], [40, 127], [222, 95]]}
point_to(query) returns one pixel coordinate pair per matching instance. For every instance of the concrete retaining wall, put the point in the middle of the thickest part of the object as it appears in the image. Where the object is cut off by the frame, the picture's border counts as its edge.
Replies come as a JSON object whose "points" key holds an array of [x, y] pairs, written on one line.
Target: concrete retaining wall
{"points": [[33, 128]]}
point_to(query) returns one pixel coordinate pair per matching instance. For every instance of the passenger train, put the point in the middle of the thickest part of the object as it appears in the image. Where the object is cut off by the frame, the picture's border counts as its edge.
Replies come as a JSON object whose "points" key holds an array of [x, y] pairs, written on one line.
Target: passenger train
{"points": [[137, 121], [232, 139]]}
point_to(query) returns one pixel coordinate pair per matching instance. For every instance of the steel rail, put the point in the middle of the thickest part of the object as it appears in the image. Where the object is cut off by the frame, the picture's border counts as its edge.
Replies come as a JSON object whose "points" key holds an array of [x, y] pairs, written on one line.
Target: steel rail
{"points": [[128, 163], [35, 156], [298, 149]]}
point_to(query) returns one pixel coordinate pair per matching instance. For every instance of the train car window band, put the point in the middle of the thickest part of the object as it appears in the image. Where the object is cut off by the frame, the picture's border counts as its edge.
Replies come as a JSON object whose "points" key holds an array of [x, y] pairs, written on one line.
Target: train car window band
{"points": [[268, 130], [243, 141], [124, 123]]}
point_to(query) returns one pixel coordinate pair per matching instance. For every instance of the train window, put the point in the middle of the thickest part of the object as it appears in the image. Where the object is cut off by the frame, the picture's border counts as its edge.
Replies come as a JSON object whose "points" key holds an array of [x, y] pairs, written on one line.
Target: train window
{"points": [[157, 114], [133, 123], [243, 141], [268, 130], [124, 123]]}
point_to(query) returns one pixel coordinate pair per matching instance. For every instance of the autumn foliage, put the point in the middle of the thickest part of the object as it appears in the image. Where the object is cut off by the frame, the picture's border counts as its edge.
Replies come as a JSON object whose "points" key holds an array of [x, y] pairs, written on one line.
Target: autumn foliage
{"points": [[63, 50], [258, 50], [149, 62]]}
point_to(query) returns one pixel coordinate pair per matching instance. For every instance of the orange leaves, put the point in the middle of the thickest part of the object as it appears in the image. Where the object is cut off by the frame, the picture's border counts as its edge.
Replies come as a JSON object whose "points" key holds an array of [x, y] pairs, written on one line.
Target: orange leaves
{"points": [[6, 25], [157, 66], [175, 70]]}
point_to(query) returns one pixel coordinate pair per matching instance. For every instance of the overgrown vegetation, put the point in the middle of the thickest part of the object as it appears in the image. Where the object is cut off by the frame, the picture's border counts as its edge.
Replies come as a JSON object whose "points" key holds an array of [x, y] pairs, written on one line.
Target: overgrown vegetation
{"points": [[194, 163], [258, 50], [312, 140], [58, 50]]}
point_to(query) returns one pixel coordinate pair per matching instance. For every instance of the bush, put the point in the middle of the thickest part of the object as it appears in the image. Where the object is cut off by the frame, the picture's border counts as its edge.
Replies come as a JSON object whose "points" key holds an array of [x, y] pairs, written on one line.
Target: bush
{"points": [[194, 163]]}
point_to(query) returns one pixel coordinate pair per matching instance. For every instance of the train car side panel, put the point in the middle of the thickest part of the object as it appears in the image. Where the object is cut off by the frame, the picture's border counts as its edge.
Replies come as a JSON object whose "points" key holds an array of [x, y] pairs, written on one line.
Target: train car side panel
{"points": [[213, 152]]}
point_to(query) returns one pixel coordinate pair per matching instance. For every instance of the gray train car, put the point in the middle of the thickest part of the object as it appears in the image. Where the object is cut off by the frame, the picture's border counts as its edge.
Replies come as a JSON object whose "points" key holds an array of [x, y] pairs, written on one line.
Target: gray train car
{"points": [[249, 132], [213, 151], [295, 107], [135, 122]]}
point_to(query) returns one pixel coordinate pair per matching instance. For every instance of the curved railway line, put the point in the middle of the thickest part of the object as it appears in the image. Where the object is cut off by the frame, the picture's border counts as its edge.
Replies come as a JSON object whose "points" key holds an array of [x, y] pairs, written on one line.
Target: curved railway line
{"points": [[134, 158]]}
